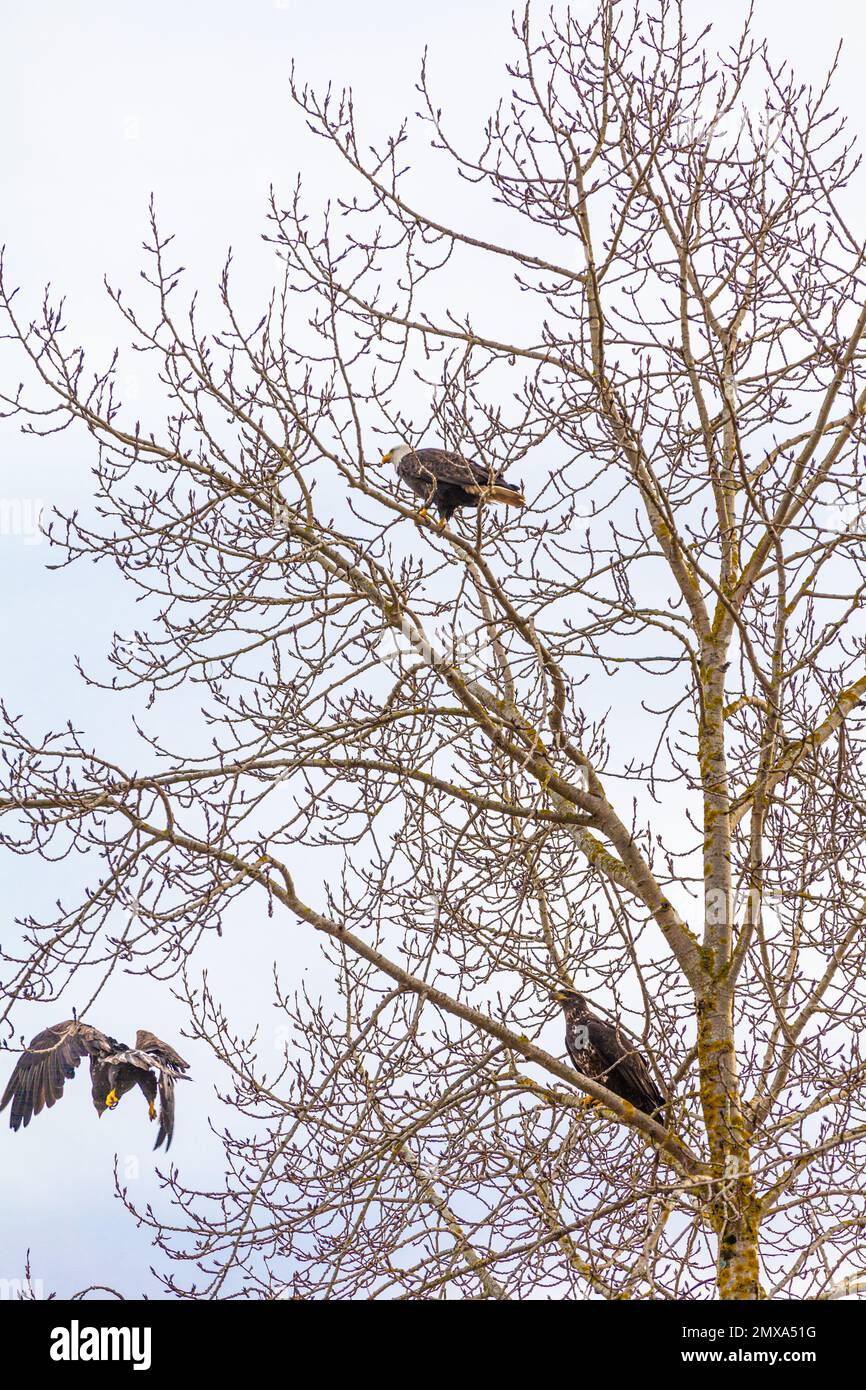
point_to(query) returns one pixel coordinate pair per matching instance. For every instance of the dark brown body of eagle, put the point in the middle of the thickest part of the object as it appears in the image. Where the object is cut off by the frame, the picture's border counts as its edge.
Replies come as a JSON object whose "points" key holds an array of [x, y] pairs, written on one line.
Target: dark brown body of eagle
{"points": [[447, 481], [52, 1057], [605, 1053]]}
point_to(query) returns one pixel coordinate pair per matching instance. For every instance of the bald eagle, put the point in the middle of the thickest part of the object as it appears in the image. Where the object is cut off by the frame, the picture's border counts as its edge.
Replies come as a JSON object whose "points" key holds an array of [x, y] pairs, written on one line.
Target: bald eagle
{"points": [[605, 1053], [53, 1056], [447, 481]]}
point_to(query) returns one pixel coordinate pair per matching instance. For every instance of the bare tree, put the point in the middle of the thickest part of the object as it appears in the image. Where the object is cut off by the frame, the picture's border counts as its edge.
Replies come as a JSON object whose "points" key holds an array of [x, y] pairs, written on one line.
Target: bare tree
{"points": [[613, 741]]}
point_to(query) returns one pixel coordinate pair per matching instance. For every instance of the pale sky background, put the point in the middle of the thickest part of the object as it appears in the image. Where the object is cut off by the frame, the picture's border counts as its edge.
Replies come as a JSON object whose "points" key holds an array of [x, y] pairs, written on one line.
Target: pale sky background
{"points": [[100, 104]]}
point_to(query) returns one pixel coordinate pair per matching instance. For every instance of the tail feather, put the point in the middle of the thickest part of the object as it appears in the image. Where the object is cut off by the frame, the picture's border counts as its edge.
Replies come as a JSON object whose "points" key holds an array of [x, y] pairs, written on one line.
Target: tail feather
{"points": [[501, 492], [509, 494]]}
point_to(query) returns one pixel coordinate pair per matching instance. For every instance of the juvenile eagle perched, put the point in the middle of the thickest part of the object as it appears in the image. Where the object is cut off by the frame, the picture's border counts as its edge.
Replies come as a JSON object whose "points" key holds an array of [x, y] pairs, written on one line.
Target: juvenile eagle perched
{"points": [[53, 1056], [605, 1053], [448, 481]]}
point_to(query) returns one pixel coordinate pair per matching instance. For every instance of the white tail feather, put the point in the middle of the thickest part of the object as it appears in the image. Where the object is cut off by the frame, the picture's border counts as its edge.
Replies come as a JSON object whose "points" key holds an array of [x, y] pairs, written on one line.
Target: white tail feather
{"points": [[498, 494]]}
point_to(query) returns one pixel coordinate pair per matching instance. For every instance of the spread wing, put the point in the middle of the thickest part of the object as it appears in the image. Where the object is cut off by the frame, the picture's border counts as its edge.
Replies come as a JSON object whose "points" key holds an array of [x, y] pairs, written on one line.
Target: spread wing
{"points": [[155, 1047], [43, 1068], [626, 1068], [169, 1066], [425, 465]]}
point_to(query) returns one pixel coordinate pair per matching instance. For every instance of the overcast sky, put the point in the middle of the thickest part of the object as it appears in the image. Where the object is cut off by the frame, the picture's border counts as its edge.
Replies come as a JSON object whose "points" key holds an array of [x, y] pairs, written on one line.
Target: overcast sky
{"points": [[100, 105]]}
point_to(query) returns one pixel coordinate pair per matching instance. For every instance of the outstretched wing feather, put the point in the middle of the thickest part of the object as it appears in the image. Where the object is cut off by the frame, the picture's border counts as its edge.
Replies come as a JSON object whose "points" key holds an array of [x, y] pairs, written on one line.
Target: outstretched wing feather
{"points": [[50, 1060], [154, 1046]]}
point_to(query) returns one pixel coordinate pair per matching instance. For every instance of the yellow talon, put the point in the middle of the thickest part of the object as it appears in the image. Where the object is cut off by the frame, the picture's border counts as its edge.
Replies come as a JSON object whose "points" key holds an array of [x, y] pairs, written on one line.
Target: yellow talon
{"points": [[112, 1099], [151, 1110]]}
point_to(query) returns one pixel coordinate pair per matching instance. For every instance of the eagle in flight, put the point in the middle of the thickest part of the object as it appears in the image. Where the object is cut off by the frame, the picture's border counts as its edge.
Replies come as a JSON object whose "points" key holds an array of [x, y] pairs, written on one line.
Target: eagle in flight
{"points": [[53, 1056], [605, 1053], [448, 481]]}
